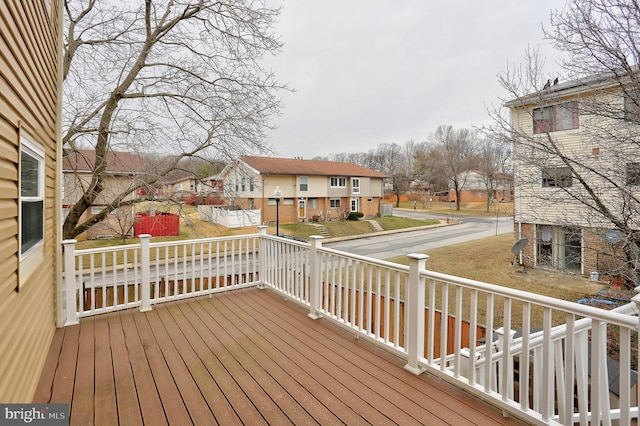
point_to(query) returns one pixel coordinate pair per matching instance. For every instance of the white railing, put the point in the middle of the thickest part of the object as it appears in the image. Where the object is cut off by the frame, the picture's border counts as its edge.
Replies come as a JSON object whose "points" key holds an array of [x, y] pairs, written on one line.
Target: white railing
{"points": [[559, 367], [546, 360], [139, 275]]}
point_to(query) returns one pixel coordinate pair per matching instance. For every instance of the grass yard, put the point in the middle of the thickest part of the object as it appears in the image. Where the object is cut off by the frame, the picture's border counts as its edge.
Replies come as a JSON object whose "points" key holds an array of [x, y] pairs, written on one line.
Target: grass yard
{"points": [[489, 260]]}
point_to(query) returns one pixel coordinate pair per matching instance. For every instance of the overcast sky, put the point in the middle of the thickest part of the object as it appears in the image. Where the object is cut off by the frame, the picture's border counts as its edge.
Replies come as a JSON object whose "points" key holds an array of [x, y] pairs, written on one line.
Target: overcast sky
{"points": [[368, 72]]}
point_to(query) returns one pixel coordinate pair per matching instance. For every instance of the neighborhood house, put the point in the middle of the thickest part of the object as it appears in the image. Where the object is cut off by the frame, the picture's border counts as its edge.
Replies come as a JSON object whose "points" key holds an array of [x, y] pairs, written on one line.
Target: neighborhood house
{"points": [[124, 170], [311, 190]]}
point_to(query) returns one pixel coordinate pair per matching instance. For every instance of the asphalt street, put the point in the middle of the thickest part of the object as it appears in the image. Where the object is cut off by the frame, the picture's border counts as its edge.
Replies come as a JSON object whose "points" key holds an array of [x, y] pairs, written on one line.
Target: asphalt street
{"points": [[403, 243]]}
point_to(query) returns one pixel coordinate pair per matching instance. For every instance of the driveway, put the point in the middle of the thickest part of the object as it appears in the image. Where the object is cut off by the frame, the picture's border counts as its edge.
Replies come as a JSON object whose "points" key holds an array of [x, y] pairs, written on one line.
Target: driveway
{"points": [[386, 246]]}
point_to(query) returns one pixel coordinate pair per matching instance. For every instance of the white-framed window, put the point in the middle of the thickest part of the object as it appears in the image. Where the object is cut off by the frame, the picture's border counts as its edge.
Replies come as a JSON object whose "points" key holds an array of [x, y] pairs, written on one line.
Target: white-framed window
{"points": [[334, 203], [313, 203], [355, 185], [338, 182], [303, 182], [237, 185], [31, 195], [244, 184], [251, 184]]}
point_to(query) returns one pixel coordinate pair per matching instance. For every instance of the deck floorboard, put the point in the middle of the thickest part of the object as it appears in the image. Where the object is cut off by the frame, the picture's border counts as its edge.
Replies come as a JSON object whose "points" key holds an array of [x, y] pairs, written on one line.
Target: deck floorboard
{"points": [[242, 357]]}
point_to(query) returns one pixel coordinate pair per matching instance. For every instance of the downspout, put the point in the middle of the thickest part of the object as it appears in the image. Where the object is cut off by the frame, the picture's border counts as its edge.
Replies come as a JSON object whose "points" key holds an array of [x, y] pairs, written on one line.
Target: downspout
{"points": [[57, 215]]}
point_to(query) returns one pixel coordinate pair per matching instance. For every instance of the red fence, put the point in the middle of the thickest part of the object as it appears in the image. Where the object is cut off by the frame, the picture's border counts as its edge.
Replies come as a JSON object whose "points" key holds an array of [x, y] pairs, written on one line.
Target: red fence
{"points": [[161, 224]]}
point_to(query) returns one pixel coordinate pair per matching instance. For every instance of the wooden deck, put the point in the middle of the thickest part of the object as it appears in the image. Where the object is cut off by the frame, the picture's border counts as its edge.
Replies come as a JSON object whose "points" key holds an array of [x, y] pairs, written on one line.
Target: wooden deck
{"points": [[243, 357]]}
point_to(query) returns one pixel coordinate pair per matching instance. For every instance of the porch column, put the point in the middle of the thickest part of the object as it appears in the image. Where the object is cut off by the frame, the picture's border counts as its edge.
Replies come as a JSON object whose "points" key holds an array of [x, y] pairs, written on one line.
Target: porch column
{"points": [[262, 256], [70, 312], [314, 277], [414, 304], [145, 284]]}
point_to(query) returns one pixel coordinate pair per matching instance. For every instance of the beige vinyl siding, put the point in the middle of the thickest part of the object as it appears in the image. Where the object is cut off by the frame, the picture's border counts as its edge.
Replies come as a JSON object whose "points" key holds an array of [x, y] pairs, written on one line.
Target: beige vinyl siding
{"points": [[318, 187], [74, 185], [28, 94], [371, 187], [558, 207]]}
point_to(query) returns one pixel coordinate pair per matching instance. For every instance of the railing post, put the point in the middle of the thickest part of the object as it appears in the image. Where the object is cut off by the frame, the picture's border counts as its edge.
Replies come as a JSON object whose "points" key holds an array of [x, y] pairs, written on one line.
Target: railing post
{"points": [[262, 256], [145, 284], [414, 303], [505, 386], [71, 313], [314, 277]]}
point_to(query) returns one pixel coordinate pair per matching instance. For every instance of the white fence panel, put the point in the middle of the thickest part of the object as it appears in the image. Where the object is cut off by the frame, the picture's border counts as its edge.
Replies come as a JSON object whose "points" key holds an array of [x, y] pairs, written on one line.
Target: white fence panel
{"points": [[229, 218]]}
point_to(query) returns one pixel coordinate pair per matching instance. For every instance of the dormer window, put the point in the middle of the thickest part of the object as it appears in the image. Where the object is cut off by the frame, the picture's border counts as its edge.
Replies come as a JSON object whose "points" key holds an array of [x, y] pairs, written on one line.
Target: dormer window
{"points": [[556, 118]]}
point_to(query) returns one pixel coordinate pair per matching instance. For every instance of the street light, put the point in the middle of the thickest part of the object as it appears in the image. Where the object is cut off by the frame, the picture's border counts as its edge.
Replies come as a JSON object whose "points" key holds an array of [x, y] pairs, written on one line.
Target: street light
{"points": [[277, 194]]}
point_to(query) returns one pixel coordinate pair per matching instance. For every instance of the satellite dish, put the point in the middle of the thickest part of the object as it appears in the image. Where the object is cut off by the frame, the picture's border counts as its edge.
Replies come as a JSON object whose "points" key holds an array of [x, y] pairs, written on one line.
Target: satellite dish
{"points": [[612, 236], [519, 245]]}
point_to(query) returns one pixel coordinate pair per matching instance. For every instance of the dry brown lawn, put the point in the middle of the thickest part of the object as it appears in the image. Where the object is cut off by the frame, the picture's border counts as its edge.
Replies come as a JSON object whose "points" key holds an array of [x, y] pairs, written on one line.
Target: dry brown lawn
{"points": [[489, 260]]}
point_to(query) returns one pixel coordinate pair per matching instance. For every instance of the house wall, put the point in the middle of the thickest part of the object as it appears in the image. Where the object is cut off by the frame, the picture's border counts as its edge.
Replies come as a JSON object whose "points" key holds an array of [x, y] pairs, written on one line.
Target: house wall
{"points": [[475, 189], [29, 96], [119, 221], [113, 185], [477, 196], [535, 204], [553, 205]]}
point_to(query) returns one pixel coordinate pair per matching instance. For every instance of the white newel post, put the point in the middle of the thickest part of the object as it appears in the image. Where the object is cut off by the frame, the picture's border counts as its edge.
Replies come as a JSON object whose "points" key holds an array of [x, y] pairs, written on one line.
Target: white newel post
{"points": [[414, 304], [71, 313], [145, 284], [314, 278], [262, 256]]}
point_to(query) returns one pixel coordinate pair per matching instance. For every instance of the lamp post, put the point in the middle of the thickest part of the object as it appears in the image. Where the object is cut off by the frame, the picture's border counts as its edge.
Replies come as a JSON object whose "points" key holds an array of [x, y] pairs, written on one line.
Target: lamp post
{"points": [[277, 194]]}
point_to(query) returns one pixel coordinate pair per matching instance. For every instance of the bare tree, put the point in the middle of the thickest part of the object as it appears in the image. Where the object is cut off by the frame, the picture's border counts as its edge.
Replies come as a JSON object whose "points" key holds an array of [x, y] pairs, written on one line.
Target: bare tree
{"points": [[428, 169], [388, 159], [179, 77], [394, 160], [594, 180], [452, 153], [493, 157]]}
